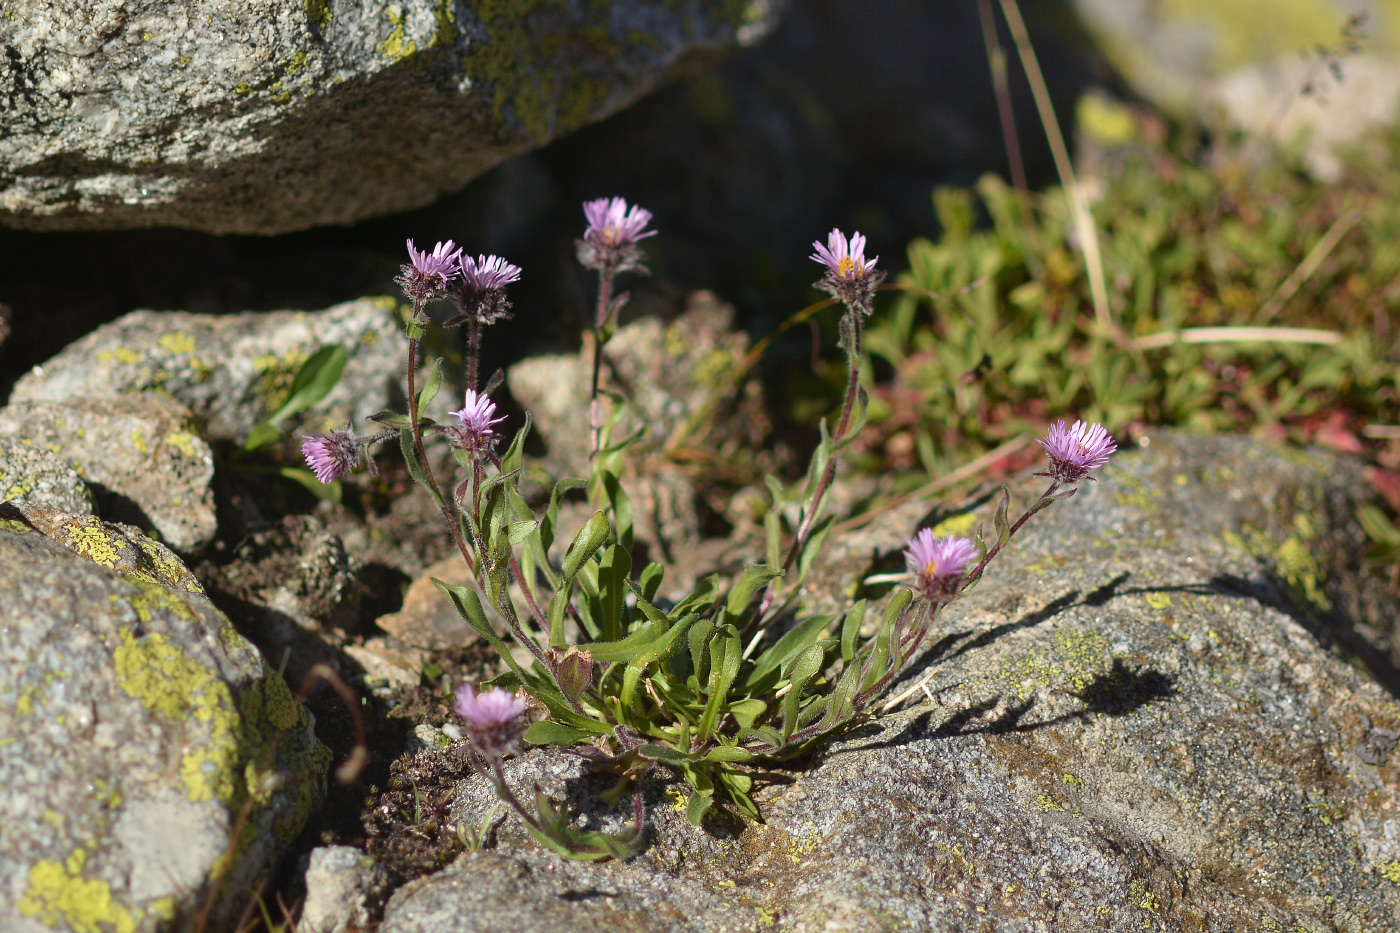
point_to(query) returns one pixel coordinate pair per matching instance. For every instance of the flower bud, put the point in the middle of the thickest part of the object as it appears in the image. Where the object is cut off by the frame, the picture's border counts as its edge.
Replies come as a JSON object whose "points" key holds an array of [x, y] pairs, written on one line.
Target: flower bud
{"points": [[573, 669]]}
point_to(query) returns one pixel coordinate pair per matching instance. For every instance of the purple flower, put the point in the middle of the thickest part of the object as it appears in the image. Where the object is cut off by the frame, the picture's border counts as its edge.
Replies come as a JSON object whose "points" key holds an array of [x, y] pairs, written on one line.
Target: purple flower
{"points": [[610, 242], [850, 277], [332, 456], [1074, 451], [427, 274], [480, 292], [493, 720], [938, 564], [476, 432]]}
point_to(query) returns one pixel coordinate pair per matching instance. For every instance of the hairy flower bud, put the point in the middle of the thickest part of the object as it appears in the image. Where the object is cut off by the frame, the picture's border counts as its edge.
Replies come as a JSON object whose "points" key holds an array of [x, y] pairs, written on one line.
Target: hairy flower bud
{"points": [[573, 668]]}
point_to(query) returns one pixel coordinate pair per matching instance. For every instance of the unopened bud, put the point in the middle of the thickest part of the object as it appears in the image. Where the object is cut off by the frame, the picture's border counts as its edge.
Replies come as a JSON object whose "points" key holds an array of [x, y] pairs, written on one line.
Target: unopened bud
{"points": [[574, 671]]}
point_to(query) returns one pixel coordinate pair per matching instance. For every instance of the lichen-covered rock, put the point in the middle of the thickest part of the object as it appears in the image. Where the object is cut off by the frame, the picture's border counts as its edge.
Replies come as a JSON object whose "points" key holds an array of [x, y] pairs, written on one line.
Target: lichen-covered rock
{"points": [[233, 370], [136, 729], [1137, 721], [276, 115], [34, 478], [141, 455]]}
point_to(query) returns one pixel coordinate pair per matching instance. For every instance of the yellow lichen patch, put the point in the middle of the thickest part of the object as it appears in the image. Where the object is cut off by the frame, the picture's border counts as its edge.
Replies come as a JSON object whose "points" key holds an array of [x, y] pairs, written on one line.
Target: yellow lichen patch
{"points": [[319, 12], [183, 441], [124, 355], [396, 47], [1076, 782], [154, 599], [1047, 802], [59, 895], [1077, 657], [138, 440], [203, 372], [89, 538], [955, 525], [13, 526], [163, 908], [1158, 600], [177, 342], [1390, 871]]}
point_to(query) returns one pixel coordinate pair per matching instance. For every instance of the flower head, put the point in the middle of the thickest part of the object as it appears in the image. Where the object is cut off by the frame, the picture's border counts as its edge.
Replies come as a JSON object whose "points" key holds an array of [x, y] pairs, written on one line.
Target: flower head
{"points": [[477, 429], [1074, 451], [427, 275], [938, 564], [609, 243], [332, 456], [480, 290], [493, 720], [850, 277]]}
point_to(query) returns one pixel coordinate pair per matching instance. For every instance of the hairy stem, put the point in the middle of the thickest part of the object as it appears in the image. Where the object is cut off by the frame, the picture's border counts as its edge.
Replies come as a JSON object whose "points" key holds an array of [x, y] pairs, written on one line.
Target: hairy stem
{"points": [[421, 455], [473, 352], [975, 573], [600, 319]]}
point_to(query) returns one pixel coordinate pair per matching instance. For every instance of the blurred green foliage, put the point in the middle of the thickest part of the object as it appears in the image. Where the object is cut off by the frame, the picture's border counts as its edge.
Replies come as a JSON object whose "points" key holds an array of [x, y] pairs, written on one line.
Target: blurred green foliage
{"points": [[993, 334]]}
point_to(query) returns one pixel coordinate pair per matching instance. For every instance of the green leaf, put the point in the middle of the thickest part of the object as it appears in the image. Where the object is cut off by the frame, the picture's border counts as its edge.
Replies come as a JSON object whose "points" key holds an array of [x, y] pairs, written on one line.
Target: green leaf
{"points": [[773, 537], [697, 807], [621, 506], [614, 573], [725, 649], [841, 703], [327, 492], [549, 732], [1002, 526], [753, 577], [551, 515], [699, 641], [313, 381], [745, 712], [586, 543], [850, 629], [519, 531], [762, 734], [263, 433], [392, 419], [801, 635], [415, 469], [815, 542], [650, 580], [728, 753], [514, 456], [806, 667], [431, 385], [665, 754], [468, 606]]}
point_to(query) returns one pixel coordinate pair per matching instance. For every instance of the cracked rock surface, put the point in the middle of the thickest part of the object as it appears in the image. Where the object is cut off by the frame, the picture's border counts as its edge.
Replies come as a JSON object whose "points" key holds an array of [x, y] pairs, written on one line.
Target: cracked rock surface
{"points": [[1144, 718], [268, 116]]}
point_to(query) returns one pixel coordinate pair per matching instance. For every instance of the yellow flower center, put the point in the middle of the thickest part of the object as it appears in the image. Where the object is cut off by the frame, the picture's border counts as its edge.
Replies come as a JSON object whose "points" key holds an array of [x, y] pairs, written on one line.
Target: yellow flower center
{"points": [[931, 568], [846, 266]]}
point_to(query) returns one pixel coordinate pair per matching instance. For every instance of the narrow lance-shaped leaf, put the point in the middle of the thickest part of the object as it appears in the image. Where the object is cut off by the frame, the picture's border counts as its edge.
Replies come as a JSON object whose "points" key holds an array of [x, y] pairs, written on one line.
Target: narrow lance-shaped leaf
{"points": [[850, 630], [586, 543], [1003, 527], [808, 663], [431, 386], [313, 381]]}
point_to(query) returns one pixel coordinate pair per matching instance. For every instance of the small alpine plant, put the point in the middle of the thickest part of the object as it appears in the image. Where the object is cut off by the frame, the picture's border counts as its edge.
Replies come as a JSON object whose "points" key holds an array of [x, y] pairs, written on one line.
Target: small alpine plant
{"points": [[731, 679]]}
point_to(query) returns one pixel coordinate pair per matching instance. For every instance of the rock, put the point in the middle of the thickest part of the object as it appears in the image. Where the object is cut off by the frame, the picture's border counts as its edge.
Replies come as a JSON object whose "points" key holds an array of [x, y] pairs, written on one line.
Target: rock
{"points": [[31, 477], [427, 620], [136, 729], [387, 669], [1138, 720], [425, 738], [141, 455], [1335, 115], [286, 114], [345, 890], [232, 370], [1270, 77]]}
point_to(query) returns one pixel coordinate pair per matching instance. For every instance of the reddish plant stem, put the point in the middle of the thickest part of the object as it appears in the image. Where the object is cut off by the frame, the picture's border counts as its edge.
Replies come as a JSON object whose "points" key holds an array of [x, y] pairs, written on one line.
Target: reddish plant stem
{"points": [[809, 519], [473, 352], [976, 572]]}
